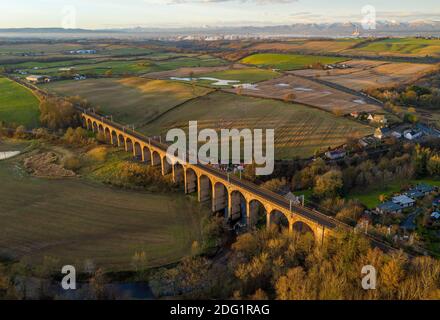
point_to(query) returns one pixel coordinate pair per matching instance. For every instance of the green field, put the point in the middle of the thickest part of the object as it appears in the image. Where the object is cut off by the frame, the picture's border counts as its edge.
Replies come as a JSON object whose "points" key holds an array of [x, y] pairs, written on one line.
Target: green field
{"points": [[402, 46], [299, 130], [129, 100], [287, 61], [18, 105], [77, 221]]}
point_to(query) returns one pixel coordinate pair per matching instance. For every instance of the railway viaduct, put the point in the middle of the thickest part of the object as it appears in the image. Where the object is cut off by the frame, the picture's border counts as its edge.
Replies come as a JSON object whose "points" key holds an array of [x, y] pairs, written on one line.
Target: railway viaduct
{"points": [[239, 200]]}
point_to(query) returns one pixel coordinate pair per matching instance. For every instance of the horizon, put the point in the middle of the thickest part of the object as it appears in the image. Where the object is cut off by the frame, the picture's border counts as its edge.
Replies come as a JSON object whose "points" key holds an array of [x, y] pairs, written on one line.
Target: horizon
{"points": [[116, 14]]}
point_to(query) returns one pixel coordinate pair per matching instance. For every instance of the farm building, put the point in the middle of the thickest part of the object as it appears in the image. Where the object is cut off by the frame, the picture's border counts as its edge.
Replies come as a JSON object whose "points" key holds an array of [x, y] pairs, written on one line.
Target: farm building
{"points": [[38, 79], [404, 201], [83, 52], [415, 194], [412, 134], [381, 133], [435, 215], [335, 154], [378, 118], [436, 202], [425, 188], [389, 207]]}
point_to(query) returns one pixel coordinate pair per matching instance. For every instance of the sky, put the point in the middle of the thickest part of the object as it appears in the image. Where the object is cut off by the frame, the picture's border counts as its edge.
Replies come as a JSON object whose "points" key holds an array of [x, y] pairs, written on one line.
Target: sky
{"points": [[103, 14]]}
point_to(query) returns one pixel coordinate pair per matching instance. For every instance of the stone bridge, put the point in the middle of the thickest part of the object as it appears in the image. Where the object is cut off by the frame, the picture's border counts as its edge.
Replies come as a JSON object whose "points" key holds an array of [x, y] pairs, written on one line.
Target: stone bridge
{"points": [[238, 200]]}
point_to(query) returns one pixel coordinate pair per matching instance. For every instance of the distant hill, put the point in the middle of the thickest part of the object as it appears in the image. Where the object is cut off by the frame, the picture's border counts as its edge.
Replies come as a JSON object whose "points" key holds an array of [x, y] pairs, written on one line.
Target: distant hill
{"points": [[383, 28]]}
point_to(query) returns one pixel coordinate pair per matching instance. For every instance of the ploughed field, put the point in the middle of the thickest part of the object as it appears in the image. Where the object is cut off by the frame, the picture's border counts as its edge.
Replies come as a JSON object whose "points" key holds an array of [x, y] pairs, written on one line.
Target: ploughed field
{"points": [[368, 74], [311, 93], [299, 130], [81, 222]]}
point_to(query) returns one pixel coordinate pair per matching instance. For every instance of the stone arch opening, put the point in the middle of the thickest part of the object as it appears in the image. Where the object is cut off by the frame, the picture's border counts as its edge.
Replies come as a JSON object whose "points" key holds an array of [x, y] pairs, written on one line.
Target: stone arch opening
{"points": [[166, 165], [128, 145], [89, 125], [137, 151], [220, 199], [121, 141], [278, 219], [108, 135], [95, 127], [237, 209], [114, 138], [155, 159], [191, 184], [302, 228], [257, 214], [146, 154], [205, 189], [178, 173], [101, 128]]}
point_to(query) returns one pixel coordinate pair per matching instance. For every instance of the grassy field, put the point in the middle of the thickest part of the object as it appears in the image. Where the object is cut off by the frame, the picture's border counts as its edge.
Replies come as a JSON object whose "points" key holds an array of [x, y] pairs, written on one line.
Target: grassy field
{"points": [[77, 221], [18, 104], [299, 130], [287, 61], [370, 198], [130, 100], [402, 46]]}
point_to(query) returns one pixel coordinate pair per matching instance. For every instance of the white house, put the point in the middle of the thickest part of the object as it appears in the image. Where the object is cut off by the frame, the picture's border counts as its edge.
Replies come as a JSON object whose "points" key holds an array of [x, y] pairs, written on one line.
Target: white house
{"points": [[412, 134]]}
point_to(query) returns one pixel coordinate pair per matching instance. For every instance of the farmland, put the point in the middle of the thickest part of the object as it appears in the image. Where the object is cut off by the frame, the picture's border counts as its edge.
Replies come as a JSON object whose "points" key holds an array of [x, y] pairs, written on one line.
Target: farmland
{"points": [[308, 46], [399, 47], [287, 61], [299, 130], [78, 222], [245, 75], [18, 105], [118, 66], [129, 100], [367, 74], [311, 93]]}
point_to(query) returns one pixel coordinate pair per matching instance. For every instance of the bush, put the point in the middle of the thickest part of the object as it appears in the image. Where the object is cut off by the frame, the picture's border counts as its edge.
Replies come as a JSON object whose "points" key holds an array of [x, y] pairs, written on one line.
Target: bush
{"points": [[72, 163], [58, 114]]}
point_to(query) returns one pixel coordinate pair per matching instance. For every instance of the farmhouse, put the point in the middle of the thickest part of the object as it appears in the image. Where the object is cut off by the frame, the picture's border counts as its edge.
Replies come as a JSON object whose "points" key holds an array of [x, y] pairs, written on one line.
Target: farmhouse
{"points": [[412, 134], [378, 118], [425, 188], [396, 134], [37, 79], [435, 215], [335, 154], [389, 207], [82, 52], [382, 133], [415, 194], [404, 201]]}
